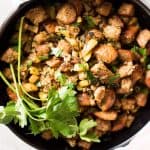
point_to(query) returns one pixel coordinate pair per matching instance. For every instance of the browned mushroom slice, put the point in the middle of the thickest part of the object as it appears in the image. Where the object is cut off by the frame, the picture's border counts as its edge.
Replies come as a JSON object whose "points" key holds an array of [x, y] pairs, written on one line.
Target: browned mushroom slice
{"points": [[147, 78], [104, 9], [130, 34], [9, 56], [107, 115], [137, 74], [97, 2], [143, 37], [125, 55], [108, 100], [78, 6], [106, 53], [141, 99], [103, 125], [36, 15], [85, 100], [128, 104], [99, 94], [126, 9], [119, 124], [66, 14]]}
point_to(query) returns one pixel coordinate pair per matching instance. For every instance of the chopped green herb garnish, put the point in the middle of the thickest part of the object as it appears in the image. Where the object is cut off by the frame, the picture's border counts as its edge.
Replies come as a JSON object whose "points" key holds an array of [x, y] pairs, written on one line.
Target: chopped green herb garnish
{"points": [[142, 52], [113, 78], [89, 22], [91, 77]]}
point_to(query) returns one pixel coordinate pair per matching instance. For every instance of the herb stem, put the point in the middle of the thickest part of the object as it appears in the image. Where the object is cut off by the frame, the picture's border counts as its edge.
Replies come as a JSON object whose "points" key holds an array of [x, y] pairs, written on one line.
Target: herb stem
{"points": [[6, 82]]}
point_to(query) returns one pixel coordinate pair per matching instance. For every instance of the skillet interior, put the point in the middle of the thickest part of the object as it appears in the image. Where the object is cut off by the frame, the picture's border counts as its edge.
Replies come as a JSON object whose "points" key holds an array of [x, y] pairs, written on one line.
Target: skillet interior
{"points": [[108, 141]]}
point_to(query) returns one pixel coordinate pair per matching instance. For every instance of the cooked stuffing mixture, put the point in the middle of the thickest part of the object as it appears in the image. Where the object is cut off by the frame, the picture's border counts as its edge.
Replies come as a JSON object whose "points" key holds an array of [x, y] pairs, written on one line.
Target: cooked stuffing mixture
{"points": [[77, 70]]}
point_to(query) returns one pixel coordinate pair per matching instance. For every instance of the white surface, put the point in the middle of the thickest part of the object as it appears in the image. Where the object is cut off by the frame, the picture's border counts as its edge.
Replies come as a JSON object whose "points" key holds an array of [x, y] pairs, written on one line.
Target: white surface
{"points": [[8, 141]]}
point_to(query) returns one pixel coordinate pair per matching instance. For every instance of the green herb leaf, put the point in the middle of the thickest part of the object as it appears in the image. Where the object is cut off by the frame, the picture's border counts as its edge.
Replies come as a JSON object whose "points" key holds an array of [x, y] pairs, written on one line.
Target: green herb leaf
{"points": [[90, 137], [141, 51], [84, 126], [91, 77], [113, 78], [89, 22], [60, 77]]}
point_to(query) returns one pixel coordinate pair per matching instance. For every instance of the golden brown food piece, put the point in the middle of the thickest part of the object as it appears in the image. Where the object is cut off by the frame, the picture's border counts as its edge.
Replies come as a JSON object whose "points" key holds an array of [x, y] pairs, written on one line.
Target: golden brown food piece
{"points": [[143, 38], [106, 53], [33, 78], [119, 124], [108, 100], [99, 94], [72, 142], [116, 21], [41, 37], [128, 104], [126, 86], [64, 46], [7, 73], [141, 99], [126, 9], [50, 26], [94, 33], [101, 70], [11, 94], [108, 115], [97, 2], [31, 28], [130, 119], [66, 14], [54, 62], [137, 74], [130, 34], [126, 69], [147, 78], [125, 55], [30, 87], [47, 135], [103, 125], [104, 9], [84, 145], [36, 15], [85, 100], [43, 50], [112, 32], [9, 56], [78, 6], [66, 67]]}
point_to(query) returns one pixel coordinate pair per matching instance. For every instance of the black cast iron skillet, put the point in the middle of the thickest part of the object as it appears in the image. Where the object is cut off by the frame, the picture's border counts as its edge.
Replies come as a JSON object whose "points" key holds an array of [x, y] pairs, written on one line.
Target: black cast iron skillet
{"points": [[108, 141]]}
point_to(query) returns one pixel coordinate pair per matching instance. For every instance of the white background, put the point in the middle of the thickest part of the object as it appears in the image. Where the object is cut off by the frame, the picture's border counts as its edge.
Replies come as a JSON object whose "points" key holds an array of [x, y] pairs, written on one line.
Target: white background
{"points": [[8, 141]]}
